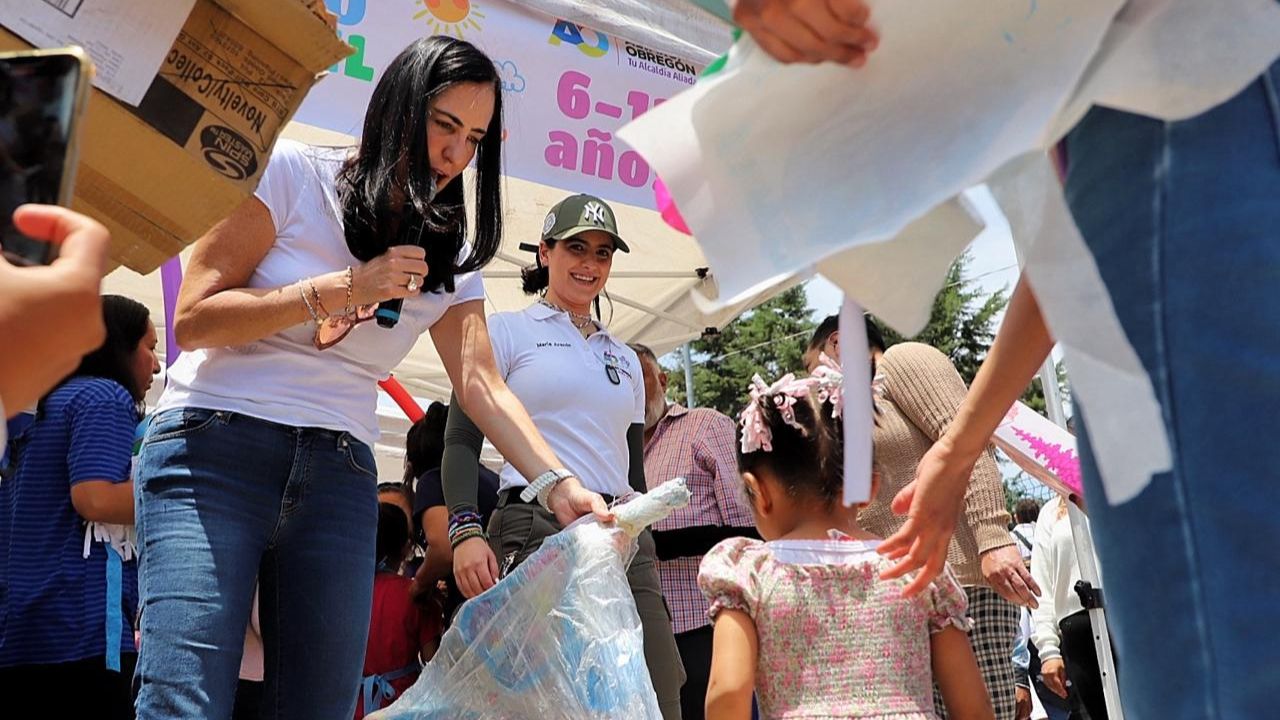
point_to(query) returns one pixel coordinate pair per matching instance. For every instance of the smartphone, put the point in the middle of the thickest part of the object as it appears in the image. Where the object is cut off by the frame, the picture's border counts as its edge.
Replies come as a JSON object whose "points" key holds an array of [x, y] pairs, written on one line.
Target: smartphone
{"points": [[42, 95]]}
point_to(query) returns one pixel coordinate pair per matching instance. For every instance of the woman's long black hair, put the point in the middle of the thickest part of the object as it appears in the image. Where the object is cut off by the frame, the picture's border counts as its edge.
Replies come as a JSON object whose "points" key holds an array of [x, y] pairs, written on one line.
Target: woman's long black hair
{"points": [[393, 151], [127, 321]]}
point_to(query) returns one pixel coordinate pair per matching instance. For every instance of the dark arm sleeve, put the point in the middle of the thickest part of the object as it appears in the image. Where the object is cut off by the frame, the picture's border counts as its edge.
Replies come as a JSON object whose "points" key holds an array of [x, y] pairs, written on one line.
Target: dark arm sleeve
{"points": [[460, 468], [635, 448]]}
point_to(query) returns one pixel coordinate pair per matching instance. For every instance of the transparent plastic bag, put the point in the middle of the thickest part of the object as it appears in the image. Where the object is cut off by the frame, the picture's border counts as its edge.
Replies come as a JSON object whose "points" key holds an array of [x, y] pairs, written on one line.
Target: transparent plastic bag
{"points": [[558, 638]]}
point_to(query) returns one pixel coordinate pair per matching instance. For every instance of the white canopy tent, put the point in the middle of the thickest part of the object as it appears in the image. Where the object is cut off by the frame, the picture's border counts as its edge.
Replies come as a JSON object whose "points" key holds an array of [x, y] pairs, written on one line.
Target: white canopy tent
{"points": [[649, 290]]}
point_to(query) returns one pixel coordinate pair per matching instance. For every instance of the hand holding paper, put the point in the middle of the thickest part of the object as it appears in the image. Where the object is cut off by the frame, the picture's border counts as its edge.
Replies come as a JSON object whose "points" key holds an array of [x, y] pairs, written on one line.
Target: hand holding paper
{"points": [[809, 31]]}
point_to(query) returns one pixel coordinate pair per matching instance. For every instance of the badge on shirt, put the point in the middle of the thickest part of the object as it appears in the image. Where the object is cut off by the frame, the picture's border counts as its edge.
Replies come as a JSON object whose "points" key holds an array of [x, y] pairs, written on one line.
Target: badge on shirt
{"points": [[613, 365]]}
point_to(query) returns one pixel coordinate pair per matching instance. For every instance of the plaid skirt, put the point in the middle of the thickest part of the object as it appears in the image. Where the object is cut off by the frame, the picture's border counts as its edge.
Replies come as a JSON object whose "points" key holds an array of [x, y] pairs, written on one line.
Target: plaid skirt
{"points": [[995, 630]]}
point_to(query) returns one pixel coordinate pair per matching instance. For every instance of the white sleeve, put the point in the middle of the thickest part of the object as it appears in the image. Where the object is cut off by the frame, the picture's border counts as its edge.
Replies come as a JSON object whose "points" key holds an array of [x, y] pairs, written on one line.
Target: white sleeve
{"points": [[278, 188], [1044, 626], [468, 287], [500, 339]]}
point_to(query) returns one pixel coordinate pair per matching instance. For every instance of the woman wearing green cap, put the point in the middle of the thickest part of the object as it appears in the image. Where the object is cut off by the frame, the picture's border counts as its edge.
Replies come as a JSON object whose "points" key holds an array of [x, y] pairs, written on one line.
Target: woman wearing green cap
{"points": [[584, 390]]}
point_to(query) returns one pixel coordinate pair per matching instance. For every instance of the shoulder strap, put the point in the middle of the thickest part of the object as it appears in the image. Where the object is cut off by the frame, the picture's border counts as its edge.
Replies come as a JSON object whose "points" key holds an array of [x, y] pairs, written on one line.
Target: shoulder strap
{"points": [[1022, 539]]}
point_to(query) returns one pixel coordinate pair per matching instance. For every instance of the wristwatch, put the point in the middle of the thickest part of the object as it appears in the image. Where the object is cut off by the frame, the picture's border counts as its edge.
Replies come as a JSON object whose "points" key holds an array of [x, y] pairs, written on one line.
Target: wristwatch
{"points": [[542, 485]]}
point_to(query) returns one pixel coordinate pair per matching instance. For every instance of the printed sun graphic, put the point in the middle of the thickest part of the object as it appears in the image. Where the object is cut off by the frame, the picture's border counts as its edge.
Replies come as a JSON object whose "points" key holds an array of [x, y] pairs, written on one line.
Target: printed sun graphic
{"points": [[450, 17]]}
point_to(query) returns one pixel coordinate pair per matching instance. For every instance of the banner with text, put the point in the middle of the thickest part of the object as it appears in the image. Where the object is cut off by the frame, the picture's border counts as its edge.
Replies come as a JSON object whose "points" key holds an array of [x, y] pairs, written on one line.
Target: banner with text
{"points": [[567, 88]]}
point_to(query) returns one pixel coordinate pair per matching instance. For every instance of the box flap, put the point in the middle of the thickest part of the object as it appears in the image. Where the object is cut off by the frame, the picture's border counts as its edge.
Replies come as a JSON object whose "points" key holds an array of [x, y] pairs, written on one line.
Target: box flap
{"points": [[295, 27]]}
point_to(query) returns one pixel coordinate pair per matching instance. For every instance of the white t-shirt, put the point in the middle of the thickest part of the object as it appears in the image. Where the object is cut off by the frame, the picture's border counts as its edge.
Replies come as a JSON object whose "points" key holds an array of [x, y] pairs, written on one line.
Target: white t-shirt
{"points": [[562, 380], [1024, 532], [283, 378]]}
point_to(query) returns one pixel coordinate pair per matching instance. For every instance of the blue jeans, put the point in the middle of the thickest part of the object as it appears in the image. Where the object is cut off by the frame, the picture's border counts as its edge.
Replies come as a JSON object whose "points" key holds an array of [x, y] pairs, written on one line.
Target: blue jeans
{"points": [[1183, 219], [224, 501]]}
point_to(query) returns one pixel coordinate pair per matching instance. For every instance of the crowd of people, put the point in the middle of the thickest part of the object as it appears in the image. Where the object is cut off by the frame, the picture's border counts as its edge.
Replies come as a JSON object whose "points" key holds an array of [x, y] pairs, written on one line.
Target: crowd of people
{"points": [[139, 565]]}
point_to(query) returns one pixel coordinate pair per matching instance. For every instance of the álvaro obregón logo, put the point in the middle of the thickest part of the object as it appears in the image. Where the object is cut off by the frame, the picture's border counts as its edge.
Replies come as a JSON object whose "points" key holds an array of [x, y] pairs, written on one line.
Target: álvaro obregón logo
{"points": [[660, 63], [592, 43]]}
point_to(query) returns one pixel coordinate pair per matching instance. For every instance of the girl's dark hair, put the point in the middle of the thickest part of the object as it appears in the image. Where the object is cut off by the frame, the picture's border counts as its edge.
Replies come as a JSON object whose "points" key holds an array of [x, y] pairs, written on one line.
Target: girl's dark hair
{"points": [[809, 464], [536, 278], [831, 323], [400, 487], [424, 443], [393, 536], [127, 321], [393, 158]]}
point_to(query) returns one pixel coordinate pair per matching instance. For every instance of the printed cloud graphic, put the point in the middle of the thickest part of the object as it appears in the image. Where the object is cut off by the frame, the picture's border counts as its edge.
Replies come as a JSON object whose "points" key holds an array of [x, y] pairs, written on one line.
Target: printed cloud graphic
{"points": [[512, 80]]}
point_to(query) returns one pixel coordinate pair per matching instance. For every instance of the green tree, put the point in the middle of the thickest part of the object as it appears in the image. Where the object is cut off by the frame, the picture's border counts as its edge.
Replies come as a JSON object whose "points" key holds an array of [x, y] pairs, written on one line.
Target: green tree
{"points": [[769, 339], [962, 324]]}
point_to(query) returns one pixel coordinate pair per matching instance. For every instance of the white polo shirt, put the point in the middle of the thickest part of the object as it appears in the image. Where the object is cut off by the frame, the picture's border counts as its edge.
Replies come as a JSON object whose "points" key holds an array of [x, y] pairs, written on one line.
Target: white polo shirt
{"points": [[563, 381]]}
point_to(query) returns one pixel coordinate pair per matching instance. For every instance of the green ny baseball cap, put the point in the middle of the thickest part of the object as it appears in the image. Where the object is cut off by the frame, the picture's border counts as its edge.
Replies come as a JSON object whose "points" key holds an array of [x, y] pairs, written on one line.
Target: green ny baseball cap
{"points": [[580, 213]]}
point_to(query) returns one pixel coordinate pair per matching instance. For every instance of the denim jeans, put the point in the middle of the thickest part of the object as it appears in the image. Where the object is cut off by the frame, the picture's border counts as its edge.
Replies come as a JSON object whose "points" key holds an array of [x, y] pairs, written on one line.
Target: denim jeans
{"points": [[224, 501], [1183, 219]]}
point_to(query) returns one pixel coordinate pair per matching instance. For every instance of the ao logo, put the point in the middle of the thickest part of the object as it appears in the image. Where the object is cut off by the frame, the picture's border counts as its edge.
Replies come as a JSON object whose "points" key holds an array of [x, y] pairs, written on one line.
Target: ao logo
{"points": [[580, 36]]}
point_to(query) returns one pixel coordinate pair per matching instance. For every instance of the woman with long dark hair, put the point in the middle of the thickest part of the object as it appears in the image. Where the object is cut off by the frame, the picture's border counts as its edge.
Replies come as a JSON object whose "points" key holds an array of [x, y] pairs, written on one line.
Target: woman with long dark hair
{"points": [[67, 603], [258, 464]]}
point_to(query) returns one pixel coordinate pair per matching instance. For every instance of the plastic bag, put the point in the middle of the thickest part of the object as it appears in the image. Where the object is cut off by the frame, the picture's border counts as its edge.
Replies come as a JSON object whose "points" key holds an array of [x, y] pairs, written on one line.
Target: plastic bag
{"points": [[557, 638]]}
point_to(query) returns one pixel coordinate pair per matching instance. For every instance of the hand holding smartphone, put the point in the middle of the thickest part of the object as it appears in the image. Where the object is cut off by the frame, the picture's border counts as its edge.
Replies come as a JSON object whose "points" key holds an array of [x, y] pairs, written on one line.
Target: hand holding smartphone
{"points": [[42, 97]]}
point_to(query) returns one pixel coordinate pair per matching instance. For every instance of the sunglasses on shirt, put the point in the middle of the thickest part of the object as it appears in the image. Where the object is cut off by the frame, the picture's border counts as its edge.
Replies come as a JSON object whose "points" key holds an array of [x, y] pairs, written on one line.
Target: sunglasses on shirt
{"points": [[333, 329]]}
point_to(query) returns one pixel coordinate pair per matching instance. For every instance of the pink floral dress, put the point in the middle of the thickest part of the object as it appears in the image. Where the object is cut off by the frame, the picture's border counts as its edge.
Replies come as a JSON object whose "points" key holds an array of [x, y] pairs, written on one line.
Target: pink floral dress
{"points": [[835, 640]]}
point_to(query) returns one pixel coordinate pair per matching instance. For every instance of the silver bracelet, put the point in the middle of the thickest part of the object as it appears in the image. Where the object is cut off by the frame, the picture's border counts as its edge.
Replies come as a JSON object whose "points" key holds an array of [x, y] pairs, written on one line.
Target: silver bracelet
{"points": [[302, 291], [542, 485]]}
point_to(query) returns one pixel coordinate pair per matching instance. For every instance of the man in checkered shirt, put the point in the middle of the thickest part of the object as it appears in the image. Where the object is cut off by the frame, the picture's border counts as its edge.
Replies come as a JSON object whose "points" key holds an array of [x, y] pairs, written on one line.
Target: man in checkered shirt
{"points": [[698, 445]]}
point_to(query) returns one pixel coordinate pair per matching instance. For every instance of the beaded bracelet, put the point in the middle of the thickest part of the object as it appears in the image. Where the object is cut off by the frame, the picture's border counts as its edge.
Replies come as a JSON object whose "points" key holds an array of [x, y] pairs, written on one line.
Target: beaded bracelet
{"points": [[456, 526], [464, 517], [302, 292], [464, 534]]}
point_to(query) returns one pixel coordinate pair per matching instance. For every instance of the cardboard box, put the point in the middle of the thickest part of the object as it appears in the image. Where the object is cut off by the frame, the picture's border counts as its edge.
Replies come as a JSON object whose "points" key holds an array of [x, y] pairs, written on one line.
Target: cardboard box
{"points": [[161, 174]]}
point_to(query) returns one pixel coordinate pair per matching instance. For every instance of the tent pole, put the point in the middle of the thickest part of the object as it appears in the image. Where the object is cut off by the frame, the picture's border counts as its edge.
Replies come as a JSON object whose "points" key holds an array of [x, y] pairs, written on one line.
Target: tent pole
{"points": [[690, 400], [1083, 542]]}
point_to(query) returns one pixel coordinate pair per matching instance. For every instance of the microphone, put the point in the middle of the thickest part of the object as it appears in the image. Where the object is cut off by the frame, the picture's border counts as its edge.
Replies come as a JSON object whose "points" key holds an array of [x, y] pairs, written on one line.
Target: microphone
{"points": [[388, 312]]}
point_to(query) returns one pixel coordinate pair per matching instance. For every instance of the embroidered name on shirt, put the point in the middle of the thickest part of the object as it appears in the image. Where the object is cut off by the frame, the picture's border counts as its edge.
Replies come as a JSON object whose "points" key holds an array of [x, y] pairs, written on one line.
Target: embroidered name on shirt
{"points": [[552, 343]]}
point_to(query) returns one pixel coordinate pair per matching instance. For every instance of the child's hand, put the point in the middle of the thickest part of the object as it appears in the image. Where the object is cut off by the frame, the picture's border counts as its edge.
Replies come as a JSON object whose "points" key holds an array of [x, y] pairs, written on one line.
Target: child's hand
{"points": [[1023, 704], [53, 312]]}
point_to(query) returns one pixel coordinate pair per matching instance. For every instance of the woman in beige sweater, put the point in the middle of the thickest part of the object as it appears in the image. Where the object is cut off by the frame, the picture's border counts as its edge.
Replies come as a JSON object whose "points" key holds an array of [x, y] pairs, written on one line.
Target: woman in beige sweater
{"points": [[917, 391]]}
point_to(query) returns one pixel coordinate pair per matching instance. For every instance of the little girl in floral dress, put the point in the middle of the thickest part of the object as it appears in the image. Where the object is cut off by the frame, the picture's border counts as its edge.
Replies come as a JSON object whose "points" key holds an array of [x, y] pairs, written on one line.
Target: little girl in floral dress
{"points": [[803, 619]]}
